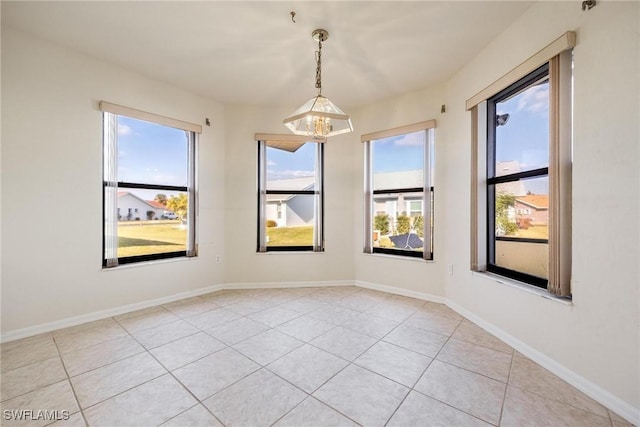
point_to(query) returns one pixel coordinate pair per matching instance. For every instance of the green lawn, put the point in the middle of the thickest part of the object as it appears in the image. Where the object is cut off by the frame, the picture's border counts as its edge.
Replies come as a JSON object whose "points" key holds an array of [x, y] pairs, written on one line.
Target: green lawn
{"points": [[150, 237], [290, 236], [533, 232]]}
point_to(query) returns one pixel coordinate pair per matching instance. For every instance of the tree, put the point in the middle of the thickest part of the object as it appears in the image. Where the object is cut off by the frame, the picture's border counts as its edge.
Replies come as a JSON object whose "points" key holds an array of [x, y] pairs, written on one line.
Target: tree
{"points": [[418, 225], [403, 224], [161, 198], [504, 225], [381, 222], [178, 205]]}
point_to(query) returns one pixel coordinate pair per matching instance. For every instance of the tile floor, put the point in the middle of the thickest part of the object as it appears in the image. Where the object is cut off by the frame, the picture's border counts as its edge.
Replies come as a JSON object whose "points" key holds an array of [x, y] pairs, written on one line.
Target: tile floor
{"points": [[335, 356]]}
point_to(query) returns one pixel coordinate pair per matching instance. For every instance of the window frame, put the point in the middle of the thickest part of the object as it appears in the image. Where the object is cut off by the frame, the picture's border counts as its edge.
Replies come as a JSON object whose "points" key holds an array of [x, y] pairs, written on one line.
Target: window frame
{"points": [[111, 185], [428, 127], [492, 180], [263, 141]]}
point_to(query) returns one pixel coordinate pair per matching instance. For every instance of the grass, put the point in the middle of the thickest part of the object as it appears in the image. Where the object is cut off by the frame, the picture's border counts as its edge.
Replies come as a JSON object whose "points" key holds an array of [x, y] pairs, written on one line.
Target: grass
{"points": [[150, 237], [290, 236], [533, 232]]}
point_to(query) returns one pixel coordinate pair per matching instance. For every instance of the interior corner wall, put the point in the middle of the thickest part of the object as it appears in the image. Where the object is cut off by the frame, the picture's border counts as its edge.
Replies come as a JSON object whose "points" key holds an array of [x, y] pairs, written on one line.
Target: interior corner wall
{"points": [[52, 185], [597, 337], [243, 263], [411, 275]]}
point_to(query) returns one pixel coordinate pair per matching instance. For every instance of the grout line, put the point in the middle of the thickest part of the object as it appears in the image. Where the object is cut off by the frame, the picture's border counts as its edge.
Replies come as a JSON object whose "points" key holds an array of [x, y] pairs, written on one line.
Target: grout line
{"points": [[73, 390], [506, 389]]}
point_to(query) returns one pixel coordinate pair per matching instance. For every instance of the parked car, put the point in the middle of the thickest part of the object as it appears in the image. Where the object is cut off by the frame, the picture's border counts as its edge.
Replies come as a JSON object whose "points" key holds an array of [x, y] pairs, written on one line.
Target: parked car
{"points": [[169, 215]]}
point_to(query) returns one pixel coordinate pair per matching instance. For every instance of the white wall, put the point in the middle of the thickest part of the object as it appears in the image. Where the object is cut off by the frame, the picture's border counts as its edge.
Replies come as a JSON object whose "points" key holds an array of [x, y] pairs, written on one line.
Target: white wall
{"points": [[243, 264], [597, 336], [52, 162]]}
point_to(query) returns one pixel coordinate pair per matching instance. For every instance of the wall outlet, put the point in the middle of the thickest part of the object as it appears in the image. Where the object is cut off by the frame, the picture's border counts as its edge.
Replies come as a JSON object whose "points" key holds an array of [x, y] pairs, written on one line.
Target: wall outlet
{"points": [[218, 259], [450, 269]]}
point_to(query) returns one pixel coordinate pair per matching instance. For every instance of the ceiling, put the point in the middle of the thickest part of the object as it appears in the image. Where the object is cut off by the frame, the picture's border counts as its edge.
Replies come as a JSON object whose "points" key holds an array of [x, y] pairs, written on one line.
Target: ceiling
{"points": [[252, 53]]}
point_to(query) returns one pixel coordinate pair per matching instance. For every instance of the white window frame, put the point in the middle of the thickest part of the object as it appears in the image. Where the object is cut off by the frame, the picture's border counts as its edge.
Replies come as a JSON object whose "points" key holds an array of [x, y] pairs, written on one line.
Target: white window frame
{"points": [[427, 189], [111, 183]]}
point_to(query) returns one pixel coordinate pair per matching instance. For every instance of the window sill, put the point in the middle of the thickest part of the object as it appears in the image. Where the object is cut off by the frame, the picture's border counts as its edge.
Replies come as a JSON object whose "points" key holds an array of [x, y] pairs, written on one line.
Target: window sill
{"points": [[523, 287], [149, 263], [290, 253], [399, 257]]}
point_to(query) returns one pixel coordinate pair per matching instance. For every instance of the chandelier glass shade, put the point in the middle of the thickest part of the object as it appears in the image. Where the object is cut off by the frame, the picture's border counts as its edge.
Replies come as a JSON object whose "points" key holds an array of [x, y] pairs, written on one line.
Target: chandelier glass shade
{"points": [[319, 117]]}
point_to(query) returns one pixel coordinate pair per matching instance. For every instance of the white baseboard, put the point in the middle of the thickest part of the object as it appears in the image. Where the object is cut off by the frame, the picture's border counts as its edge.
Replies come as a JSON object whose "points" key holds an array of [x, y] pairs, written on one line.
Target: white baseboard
{"points": [[102, 314], [592, 390], [400, 291], [597, 393]]}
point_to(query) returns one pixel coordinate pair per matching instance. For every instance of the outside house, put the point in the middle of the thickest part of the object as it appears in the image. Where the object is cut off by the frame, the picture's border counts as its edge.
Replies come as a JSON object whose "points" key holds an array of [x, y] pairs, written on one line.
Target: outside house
{"points": [[291, 210], [133, 208], [532, 209]]}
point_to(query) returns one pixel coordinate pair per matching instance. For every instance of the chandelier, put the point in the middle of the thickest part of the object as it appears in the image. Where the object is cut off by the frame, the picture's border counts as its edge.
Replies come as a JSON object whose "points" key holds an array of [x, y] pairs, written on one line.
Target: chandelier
{"points": [[319, 117]]}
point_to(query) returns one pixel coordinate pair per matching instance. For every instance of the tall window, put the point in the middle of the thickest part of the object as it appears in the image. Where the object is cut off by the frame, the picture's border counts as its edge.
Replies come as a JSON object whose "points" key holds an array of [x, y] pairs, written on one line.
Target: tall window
{"points": [[149, 186], [518, 179], [521, 171], [290, 195], [399, 191]]}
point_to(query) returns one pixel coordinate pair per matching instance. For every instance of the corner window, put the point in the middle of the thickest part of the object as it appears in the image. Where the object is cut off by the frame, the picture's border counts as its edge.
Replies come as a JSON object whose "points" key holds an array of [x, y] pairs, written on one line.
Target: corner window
{"points": [[521, 173], [518, 179], [399, 191], [290, 196], [149, 174]]}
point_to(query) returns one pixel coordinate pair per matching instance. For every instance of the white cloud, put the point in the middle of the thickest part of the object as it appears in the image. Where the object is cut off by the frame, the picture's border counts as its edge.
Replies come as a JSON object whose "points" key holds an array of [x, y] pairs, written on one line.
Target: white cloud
{"points": [[271, 163], [124, 130], [534, 100], [288, 174], [415, 139]]}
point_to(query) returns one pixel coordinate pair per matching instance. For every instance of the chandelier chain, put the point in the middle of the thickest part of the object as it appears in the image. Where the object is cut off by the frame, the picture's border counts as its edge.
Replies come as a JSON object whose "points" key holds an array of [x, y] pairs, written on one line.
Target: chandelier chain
{"points": [[319, 67]]}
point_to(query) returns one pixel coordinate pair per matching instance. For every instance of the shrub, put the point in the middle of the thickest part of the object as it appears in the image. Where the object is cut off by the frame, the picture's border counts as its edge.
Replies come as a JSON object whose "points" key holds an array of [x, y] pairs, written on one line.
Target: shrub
{"points": [[150, 215], [403, 224], [386, 242], [271, 223], [381, 222]]}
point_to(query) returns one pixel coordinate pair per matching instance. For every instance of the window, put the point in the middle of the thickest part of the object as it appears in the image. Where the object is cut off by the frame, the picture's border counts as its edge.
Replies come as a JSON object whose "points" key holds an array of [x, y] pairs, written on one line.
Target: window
{"points": [[399, 191], [518, 176], [521, 171], [290, 195], [149, 173]]}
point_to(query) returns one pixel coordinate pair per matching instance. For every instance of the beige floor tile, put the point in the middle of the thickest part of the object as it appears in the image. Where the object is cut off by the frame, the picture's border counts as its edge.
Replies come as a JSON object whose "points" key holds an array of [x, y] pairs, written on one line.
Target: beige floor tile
{"points": [[55, 397], [419, 340], [100, 384], [223, 298], [358, 302], [26, 351], [163, 334], [482, 360], [75, 420], [303, 305], [334, 314], [305, 328], [471, 333], [249, 306], [140, 320], [372, 293], [469, 392], [363, 396], [190, 306], [275, 296], [420, 410], [270, 398], [618, 421], [215, 372], [274, 316], [395, 363], [440, 310], [530, 376], [267, 346], [198, 416], [82, 336], [522, 408], [149, 404], [307, 367], [237, 330], [432, 322], [311, 413], [89, 358], [31, 377], [376, 327], [210, 319], [344, 343], [186, 350], [400, 300], [392, 311]]}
